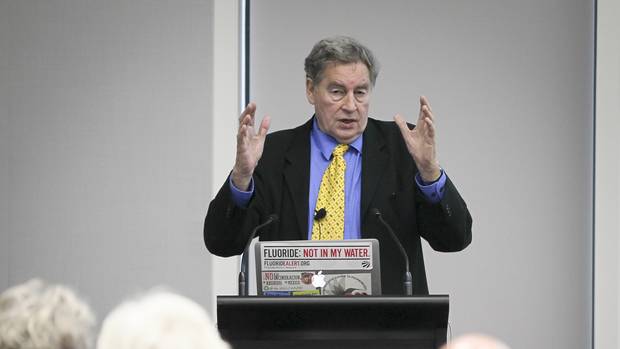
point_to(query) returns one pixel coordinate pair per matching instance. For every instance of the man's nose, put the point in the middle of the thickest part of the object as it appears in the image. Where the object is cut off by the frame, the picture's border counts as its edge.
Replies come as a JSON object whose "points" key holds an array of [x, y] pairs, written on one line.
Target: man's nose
{"points": [[349, 102]]}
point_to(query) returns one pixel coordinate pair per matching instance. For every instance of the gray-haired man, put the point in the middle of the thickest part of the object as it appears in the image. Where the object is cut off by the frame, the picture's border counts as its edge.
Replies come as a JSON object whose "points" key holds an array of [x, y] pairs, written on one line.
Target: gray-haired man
{"points": [[389, 166]]}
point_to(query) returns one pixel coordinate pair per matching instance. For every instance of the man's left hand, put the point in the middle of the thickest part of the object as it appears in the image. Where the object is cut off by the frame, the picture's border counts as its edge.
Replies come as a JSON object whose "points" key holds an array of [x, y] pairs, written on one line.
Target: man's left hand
{"points": [[421, 141]]}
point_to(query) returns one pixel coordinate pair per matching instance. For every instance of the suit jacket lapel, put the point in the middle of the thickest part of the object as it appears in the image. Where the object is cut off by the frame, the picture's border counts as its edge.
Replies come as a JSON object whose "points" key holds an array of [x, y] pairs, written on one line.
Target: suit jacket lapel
{"points": [[297, 175], [375, 159]]}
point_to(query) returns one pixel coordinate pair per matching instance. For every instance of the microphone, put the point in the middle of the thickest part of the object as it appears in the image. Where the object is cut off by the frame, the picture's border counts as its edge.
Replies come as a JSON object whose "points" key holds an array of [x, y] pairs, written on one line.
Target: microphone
{"points": [[318, 216], [243, 284], [407, 279]]}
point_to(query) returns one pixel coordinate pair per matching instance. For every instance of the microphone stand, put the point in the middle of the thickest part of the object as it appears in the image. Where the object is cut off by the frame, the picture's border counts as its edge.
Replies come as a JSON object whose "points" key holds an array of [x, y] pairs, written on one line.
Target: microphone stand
{"points": [[407, 279], [243, 279]]}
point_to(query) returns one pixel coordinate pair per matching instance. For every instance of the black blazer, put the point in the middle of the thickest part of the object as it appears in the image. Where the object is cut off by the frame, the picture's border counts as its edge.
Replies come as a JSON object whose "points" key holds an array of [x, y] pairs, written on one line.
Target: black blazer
{"points": [[281, 182]]}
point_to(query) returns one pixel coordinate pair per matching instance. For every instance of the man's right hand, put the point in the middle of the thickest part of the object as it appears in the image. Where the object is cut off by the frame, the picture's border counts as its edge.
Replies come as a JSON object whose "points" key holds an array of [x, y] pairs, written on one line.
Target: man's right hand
{"points": [[249, 147]]}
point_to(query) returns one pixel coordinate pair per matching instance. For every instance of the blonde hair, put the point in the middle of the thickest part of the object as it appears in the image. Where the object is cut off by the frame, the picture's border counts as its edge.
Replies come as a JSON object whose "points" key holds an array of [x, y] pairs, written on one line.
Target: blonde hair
{"points": [[37, 315], [159, 320]]}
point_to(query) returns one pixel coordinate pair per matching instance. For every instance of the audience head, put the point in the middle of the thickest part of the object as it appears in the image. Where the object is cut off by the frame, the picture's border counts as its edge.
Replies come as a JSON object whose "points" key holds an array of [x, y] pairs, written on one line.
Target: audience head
{"points": [[475, 341], [37, 315], [159, 320]]}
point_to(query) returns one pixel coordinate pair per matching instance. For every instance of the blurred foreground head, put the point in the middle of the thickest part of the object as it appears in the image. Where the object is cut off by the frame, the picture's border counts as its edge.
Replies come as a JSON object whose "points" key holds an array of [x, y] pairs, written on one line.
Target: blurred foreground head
{"points": [[475, 341], [159, 320], [37, 315]]}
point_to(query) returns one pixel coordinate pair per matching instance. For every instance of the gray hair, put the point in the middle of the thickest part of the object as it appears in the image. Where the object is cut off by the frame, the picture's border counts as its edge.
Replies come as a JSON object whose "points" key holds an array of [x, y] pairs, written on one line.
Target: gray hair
{"points": [[36, 315], [476, 341], [339, 49], [159, 320]]}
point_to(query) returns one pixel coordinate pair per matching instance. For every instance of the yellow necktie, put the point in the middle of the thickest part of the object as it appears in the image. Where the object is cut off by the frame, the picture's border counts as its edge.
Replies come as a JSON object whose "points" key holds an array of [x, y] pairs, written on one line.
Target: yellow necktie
{"points": [[331, 199]]}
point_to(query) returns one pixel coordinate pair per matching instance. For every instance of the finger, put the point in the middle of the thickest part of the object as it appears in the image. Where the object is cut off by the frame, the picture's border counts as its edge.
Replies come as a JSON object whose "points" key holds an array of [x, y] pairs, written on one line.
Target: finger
{"points": [[425, 107], [424, 101], [264, 126], [250, 109], [420, 125], [246, 121], [420, 115], [427, 113], [430, 127], [241, 137], [244, 131], [402, 126]]}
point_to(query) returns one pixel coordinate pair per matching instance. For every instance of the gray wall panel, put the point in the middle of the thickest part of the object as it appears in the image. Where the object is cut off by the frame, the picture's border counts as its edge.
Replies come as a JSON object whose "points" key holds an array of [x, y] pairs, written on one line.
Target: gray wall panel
{"points": [[4, 143], [4, 147], [109, 151], [511, 86]]}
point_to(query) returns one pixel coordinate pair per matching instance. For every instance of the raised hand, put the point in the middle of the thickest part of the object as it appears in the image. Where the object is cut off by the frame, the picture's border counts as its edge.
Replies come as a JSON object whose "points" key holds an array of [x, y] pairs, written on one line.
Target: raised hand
{"points": [[249, 146], [421, 141]]}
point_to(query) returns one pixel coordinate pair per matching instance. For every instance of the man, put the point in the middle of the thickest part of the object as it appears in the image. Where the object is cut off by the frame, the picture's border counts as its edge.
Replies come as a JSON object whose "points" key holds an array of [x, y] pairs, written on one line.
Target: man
{"points": [[324, 178]]}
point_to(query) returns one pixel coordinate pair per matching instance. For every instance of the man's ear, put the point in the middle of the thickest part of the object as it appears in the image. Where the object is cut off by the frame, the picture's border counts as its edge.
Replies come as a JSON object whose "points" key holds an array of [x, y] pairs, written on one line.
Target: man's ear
{"points": [[310, 90]]}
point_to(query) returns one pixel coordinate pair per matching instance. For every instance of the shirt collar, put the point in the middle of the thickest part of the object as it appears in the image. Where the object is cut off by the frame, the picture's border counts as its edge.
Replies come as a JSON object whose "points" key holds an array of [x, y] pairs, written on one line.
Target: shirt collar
{"points": [[327, 143]]}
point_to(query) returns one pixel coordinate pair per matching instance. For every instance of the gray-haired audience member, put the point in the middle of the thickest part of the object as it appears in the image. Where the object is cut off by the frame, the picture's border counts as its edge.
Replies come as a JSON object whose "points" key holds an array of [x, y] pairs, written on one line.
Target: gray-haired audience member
{"points": [[159, 320], [37, 315], [476, 341]]}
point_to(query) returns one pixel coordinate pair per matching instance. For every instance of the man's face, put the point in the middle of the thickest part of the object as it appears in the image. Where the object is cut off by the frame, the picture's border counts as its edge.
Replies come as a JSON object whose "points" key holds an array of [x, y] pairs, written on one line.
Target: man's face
{"points": [[341, 100]]}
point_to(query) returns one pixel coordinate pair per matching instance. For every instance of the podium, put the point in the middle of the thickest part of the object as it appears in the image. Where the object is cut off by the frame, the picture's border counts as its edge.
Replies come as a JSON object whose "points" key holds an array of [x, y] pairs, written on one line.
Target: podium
{"points": [[393, 322]]}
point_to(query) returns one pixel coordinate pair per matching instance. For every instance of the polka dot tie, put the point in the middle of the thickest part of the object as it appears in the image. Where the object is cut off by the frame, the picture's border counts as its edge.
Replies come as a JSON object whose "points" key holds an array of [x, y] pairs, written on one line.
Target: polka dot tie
{"points": [[331, 199]]}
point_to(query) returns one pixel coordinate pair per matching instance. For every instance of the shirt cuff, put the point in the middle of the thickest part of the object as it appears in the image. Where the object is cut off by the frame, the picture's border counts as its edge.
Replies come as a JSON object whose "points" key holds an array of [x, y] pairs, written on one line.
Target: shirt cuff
{"points": [[241, 198], [432, 191]]}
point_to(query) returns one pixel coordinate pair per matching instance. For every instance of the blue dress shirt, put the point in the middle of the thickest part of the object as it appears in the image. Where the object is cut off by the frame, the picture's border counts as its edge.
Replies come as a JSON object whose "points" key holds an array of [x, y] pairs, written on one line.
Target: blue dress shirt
{"points": [[321, 147]]}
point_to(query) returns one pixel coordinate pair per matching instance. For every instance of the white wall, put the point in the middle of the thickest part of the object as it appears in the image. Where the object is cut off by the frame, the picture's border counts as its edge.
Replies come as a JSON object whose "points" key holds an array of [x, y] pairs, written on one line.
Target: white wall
{"points": [[106, 139], [607, 194], [511, 86], [225, 109]]}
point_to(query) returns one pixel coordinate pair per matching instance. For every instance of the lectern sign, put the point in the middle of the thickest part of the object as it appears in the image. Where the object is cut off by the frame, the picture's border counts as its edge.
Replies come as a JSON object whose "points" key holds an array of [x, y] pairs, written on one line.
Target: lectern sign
{"points": [[354, 255], [318, 267]]}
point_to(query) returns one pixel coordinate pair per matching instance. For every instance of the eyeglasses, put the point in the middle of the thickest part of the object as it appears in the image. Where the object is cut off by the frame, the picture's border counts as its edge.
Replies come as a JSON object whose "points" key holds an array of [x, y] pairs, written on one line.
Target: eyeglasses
{"points": [[337, 94]]}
